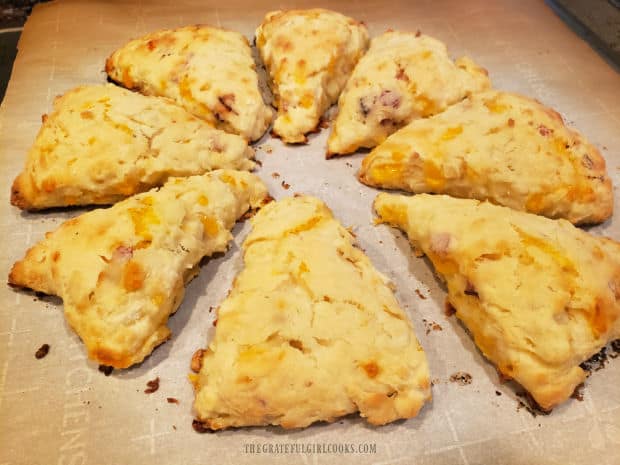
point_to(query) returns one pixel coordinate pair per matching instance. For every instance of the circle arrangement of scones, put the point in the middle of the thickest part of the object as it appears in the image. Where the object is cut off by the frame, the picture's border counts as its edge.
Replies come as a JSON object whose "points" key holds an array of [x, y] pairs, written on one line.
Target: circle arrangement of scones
{"points": [[499, 181]]}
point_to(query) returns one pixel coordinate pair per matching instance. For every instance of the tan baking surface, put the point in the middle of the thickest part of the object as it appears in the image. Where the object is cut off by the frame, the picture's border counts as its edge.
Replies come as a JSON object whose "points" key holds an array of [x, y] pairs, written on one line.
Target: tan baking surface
{"points": [[61, 410]]}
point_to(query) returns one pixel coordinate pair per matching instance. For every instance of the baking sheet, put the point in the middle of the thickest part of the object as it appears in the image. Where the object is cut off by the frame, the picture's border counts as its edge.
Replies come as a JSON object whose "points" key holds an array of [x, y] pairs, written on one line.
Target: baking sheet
{"points": [[62, 410]]}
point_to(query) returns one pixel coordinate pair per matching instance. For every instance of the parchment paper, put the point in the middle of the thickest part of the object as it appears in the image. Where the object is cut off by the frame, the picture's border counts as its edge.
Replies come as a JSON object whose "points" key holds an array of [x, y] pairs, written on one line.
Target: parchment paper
{"points": [[62, 410]]}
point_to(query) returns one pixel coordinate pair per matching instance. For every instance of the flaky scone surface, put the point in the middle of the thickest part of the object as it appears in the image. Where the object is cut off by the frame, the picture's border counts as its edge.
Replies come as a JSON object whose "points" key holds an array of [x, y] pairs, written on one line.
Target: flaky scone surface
{"points": [[403, 76], [309, 332], [309, 55], [207, 70], [538, 295], [103, 143], [121, 271], [501, 147]]}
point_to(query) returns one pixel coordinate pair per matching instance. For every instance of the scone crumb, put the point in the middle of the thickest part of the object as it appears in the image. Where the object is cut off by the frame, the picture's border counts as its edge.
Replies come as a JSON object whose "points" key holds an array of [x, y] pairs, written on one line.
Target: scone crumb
{"points": [[106, 370], [152, 386], [461, 378], [431, 326], [196, 363], [42, 351], [275, 175], [172, 400], [285, 185], [420, 295]]}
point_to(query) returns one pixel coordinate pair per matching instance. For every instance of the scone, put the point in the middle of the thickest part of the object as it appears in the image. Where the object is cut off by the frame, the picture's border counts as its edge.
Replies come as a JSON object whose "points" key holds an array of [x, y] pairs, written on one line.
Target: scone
{"points": [[121, 271], [538, 295], [103, 143], [208, 71], [403, 76], [309, 55], [501, 147], [309, 332]]}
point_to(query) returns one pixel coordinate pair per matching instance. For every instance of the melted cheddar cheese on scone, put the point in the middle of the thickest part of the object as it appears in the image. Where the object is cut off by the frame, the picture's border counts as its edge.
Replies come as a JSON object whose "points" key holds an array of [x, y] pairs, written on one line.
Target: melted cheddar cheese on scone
{"points": [[309, 55], [208, 71], [309, 332], [103, 143], [404, 76], [538, 295], [121, 271], [501, 147]]}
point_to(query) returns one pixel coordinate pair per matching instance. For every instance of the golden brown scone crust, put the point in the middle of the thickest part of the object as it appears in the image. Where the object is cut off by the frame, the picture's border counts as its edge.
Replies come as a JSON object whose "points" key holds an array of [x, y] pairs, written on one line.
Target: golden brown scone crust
{"points": [[207, 70], [309, 332], [501, 147], [309, 55], [404, 76], [103, 143], [538, 295], [121, 271]]}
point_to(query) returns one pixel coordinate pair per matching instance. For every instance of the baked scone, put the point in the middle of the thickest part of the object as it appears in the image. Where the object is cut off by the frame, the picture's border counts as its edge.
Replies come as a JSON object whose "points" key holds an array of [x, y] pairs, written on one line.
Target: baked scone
{"points": [[121, 271], [501, 147], [208, 71], [403, 76], [538, 295], [103, 143], [309, 55], [309, 332]]}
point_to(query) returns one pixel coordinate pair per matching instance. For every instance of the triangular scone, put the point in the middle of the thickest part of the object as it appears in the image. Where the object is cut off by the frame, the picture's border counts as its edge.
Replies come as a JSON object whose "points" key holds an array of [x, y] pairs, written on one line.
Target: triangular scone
{"points": [[538, 295], [500, 147], [121, 271], [309, 332], [208, 71], [403, 76], [103, 143], [309, 55]]}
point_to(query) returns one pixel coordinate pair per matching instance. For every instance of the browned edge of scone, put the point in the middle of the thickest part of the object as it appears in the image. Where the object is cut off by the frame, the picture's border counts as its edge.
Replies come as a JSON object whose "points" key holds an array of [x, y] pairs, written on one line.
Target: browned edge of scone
{"points": [[126, 80], [345, 152], [329, 154], [272, 133], [17, 198]]}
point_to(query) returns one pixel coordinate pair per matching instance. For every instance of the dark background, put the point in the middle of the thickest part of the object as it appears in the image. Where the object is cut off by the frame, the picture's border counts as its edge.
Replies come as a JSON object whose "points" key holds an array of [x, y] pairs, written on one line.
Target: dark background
{"points": [[13, 15]]}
